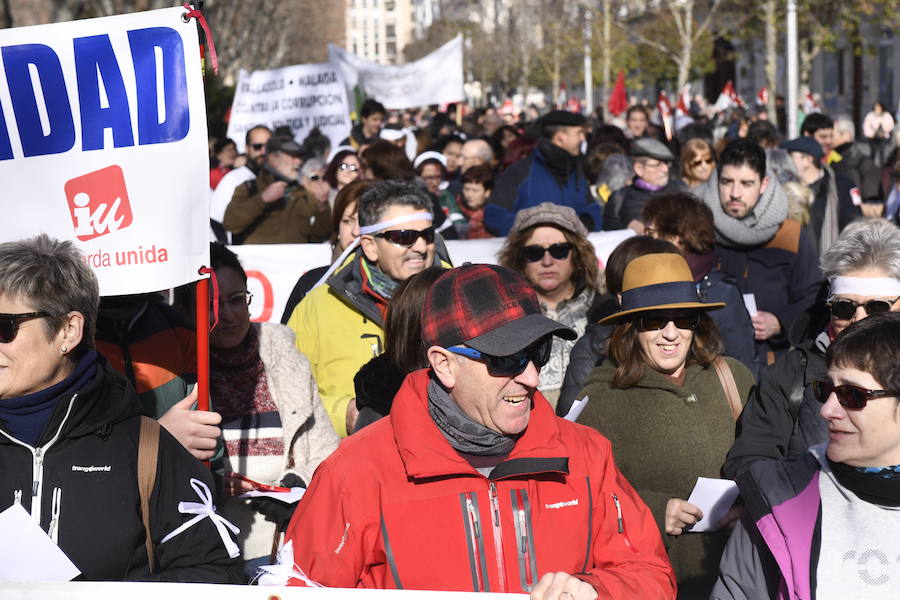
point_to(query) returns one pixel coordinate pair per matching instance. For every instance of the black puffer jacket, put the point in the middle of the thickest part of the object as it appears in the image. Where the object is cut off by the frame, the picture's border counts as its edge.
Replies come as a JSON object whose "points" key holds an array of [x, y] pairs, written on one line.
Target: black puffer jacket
{"points": [[770, 428], [88, 452]]}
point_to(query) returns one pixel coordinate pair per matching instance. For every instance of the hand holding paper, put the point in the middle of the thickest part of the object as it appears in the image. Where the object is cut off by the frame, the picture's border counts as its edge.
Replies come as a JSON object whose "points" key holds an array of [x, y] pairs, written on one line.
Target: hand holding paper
{"points": [[714, 497]]}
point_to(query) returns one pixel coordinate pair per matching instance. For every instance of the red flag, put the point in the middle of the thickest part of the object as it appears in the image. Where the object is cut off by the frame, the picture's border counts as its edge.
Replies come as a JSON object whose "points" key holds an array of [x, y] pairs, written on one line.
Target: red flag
{"points": [[684, 101], [618, 101], [762, 97], [665, 113]]}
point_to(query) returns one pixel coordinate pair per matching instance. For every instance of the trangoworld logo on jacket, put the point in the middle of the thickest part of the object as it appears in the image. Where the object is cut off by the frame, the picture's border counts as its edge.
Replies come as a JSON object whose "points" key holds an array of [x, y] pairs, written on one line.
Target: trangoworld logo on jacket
{"points": [[98, 202], [92, 468], [573, 502]]}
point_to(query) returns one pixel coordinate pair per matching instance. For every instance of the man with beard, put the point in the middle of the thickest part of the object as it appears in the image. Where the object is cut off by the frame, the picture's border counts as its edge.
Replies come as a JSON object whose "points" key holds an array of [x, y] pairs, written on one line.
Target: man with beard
{"points": [[553, 173], [770, 256], [274, 208], [339, 324]]}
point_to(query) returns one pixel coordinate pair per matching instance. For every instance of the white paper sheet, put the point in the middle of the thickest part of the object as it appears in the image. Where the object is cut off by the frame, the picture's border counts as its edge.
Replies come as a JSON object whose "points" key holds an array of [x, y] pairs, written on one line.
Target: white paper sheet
{"points": [[750, 303], [27, 553], [287, 497], [575, 409], [714, 497]]}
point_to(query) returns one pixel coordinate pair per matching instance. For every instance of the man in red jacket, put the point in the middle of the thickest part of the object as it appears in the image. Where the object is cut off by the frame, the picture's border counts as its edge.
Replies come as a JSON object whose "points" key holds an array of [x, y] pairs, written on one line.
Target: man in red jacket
{"points": [[472, 482]]}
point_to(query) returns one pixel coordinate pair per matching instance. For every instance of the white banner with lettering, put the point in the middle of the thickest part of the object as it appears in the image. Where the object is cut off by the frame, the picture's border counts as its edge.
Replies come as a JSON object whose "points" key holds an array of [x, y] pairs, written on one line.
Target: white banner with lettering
{"points": [[103, 142], [300, 97], [84, 590], [434, 79], [273, 269]]}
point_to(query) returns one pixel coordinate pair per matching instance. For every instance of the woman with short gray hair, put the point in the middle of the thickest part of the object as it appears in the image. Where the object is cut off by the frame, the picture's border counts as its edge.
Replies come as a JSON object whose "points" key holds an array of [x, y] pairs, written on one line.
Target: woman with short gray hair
{"points": [[781, 418], [71, 430]]}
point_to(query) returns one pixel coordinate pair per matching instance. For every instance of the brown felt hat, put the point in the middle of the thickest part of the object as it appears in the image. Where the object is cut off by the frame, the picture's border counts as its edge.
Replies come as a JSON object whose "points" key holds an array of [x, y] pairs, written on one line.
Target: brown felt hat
{"points": [[658, 282]]}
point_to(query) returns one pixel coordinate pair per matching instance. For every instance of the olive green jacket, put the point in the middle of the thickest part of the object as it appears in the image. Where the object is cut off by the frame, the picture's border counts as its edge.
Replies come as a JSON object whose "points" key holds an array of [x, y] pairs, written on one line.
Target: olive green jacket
{"points": [[664, 437]]}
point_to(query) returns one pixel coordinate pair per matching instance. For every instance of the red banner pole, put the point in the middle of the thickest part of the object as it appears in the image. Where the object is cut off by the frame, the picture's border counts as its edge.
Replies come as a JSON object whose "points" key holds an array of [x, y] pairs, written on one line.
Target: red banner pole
{"points": [[202, 320]]}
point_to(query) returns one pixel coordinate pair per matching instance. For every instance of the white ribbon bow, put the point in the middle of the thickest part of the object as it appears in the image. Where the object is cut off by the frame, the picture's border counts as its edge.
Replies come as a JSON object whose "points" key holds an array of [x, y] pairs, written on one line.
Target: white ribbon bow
{"points": [[206, 509], [283, 570]]}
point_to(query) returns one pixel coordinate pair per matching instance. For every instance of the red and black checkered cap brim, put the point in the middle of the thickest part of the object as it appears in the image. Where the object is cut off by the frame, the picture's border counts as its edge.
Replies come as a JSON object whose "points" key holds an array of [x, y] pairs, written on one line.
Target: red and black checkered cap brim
{"points": [[487, 307]]}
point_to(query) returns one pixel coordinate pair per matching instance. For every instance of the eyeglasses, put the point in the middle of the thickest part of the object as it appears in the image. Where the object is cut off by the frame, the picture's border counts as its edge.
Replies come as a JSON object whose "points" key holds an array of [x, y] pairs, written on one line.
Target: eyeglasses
{"points": [[314, 177], [9, 324], [845, 309], [850, 396], [702, 161], [237, 301], [654, 164], [512, 364], [657, 322], [348, 167], [558, 251], [407, 237], [257, 147]]}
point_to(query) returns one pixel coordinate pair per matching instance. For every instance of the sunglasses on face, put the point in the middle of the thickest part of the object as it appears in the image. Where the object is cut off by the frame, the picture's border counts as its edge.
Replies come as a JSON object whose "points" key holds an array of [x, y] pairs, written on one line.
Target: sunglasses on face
{"points": [[657, 322], [9, 324], [257, 147], [407, 237], [349, 167], [702, 161], [558, 251], [845, 309], [314, 177], [850, 396], [513, 364]]}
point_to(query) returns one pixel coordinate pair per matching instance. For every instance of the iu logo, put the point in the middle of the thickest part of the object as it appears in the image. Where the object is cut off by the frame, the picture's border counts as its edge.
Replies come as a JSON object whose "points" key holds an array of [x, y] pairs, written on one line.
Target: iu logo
{"points": [[98, 202]]}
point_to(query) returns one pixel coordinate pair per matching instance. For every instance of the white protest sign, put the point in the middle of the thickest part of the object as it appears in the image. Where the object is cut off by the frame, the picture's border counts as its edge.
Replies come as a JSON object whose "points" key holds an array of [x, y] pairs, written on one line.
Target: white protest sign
{"points": [[434, 79], [95, 590], [301, 97], [273, 269], [103, 142]]}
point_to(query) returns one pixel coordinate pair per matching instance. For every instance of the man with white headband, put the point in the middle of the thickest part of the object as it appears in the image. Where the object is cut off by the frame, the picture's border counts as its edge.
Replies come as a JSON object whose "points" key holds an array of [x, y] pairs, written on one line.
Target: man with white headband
{"points": [[339, 324], [781, 418]]}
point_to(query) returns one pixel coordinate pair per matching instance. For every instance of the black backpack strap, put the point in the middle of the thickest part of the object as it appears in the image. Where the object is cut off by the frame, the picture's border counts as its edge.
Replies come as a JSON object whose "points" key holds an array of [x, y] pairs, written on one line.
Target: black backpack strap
{"points": [[796, 398]]}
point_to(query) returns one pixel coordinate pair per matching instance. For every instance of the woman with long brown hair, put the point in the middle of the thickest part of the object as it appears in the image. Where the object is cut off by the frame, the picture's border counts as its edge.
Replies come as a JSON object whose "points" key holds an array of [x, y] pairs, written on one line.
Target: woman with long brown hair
{"points": [[548, 244], [667, 401], [698, 161]]}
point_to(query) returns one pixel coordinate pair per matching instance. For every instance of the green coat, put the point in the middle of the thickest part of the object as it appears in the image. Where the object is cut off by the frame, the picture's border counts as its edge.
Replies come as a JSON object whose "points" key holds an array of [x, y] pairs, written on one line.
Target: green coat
{"points": [[664, 437]]}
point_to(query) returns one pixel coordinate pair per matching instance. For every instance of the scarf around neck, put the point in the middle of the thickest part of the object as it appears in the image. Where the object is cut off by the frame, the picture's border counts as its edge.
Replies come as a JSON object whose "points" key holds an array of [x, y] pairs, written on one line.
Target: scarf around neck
{"points": [[378, 280], [761, 223], [464, 434], [870, 485], [237, 376]]}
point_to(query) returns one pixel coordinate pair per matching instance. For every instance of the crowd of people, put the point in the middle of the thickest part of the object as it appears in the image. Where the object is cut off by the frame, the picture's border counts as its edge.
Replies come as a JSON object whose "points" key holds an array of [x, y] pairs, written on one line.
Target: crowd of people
{"points": [[747, 328]]}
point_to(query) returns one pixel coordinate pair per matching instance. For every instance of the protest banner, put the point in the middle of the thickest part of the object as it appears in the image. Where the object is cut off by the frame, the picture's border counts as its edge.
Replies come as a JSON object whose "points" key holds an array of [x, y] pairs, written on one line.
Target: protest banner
{"points": [[434, 79], [103, 142], [85, 590], [300, 96], [273, 269]]}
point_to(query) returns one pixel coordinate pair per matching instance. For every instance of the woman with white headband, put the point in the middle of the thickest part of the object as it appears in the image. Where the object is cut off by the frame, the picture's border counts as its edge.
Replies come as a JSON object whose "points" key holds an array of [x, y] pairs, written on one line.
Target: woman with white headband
{"points": [[781, 418]]}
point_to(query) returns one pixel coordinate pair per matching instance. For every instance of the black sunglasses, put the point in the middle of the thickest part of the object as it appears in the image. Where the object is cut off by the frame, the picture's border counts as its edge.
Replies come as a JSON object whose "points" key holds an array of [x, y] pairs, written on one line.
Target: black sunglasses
{"points": [[845, 309], [850, 396], [257, 146], [512, 364], [656, 322], [9, 324], [407, 237], [558, 251]]}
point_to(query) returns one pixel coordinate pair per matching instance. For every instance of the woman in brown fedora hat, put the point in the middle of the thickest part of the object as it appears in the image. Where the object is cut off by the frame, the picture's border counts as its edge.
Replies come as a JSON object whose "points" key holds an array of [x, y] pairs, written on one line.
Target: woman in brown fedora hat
{"points": [[667, 401]]}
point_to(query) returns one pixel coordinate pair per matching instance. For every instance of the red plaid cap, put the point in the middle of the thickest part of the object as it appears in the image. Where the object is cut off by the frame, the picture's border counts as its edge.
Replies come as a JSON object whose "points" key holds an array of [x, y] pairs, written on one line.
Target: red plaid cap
{"points": [[487, 307]]}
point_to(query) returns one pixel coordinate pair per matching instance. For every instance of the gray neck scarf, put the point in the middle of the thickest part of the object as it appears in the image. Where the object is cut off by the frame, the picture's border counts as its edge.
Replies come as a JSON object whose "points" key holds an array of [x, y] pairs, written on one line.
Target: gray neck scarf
{"points": [[758, 227], [464, 434]]}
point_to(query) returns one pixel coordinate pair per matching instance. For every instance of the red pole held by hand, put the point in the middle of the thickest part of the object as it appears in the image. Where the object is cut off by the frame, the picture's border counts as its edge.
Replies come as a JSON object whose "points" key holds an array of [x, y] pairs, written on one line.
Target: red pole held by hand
{"points": [[202, 320]]}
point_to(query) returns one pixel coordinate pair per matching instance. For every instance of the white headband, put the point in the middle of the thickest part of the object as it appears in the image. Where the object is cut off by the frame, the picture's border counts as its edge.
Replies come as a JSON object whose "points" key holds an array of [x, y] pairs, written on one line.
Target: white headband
{"points": [[419, 216], [866, 286], [392, 135], [368, 230], [429, 155]]}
